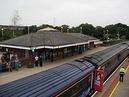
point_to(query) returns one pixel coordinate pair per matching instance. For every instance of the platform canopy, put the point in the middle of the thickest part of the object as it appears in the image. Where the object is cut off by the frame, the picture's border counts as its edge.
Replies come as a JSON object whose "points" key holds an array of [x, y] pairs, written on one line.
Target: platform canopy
{"points": [[48, 38]]}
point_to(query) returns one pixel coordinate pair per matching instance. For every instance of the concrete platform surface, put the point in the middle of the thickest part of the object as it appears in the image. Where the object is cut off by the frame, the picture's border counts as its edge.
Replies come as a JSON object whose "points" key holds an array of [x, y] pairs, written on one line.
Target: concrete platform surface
{"points": [[122, 88], [110, 86]]}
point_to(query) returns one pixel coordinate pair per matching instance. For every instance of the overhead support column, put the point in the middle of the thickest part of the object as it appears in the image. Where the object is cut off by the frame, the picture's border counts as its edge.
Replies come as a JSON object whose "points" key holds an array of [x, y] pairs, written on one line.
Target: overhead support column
{"points": [[67, 51], [86, 46], [49, 54], [57, 52], [83, 47], [52, 55], [72, 50], [80, 49], [62, 52]]}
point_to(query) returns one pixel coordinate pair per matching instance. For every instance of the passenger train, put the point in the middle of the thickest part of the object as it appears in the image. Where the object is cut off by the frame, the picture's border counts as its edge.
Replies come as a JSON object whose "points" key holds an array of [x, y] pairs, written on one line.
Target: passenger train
{"points": [[73, 79]]}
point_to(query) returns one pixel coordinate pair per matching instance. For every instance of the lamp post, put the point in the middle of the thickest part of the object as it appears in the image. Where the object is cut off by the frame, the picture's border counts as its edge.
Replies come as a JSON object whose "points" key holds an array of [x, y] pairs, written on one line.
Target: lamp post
{"points": [[81, 29], [28, 30], [118, 34], [33, 56], [13, 30], [73, 30], [62, 29], [68, 30], [107, 36], [104, 35], [2, 31]]}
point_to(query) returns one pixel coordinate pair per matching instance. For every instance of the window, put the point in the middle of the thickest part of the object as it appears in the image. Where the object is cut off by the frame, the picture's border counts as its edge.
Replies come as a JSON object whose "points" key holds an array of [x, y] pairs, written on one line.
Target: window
{"points": [[118, 57], [73, 91], [101, 67]]}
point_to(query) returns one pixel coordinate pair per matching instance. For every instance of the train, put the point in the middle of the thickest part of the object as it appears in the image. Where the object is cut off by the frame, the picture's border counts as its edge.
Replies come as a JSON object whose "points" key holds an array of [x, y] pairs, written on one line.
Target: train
{"points": [[74, 79]]}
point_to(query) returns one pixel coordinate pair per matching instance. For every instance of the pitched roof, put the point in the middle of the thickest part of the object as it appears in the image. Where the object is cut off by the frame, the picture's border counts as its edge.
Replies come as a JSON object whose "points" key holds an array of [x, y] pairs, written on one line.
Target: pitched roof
{"points": [[47, 39], [86, 37]]}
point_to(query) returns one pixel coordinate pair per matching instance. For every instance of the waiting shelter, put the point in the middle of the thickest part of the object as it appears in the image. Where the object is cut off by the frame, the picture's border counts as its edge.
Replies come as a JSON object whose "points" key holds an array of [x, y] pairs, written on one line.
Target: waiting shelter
{"points": [[50, 43]]}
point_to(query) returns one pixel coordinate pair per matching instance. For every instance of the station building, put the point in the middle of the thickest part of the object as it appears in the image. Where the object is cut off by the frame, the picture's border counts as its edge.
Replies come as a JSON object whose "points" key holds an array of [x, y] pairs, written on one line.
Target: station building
{"points": [[49, 43]]}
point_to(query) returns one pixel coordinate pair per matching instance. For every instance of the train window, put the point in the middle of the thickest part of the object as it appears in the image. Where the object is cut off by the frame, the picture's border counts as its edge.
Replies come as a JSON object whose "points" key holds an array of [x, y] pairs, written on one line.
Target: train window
{"points": [[73, 91], [109, 64], [101, 67], [119, 57]]}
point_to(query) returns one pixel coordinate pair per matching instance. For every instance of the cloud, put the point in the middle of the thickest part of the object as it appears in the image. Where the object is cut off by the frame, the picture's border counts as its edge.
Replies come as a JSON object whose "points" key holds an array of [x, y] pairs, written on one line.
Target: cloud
{"points": [[72, 12]]}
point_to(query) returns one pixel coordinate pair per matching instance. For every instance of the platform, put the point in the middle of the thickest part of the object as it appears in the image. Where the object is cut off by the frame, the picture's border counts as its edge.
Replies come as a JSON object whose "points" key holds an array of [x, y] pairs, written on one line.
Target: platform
{"points": [[7, 77], [113, 88], [122, 88]]}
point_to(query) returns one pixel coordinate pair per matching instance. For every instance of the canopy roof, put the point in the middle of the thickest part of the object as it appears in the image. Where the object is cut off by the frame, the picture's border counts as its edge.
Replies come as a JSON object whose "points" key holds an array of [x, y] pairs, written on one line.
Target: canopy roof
{"points": [[47, 39]]}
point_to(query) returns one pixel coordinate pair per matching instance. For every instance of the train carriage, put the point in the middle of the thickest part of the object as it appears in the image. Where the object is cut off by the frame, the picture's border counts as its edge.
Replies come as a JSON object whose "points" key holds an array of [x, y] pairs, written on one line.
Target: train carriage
{"points": [[106, 62], [69, 80], [73, 79]]}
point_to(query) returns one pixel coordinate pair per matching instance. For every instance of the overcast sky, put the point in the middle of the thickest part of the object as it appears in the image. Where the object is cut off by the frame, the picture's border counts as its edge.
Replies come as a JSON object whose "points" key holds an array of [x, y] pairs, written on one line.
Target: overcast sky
{"points": [[71, 12]]}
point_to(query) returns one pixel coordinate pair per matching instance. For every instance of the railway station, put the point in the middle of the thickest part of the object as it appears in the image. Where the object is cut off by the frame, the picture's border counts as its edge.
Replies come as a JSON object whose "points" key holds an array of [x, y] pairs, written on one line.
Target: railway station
{"points": [[94, 75], [50, 44], [64, 48]]}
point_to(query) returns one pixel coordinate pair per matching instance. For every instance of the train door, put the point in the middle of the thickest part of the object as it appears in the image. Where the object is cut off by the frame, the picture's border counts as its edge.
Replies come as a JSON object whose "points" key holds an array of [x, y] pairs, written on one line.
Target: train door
{"points": [[98, 80]]}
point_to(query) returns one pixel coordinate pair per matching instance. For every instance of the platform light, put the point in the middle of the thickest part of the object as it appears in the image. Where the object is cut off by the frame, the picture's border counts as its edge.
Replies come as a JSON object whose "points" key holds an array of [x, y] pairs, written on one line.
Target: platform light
{"points": [[80, 29], [2, 31]]}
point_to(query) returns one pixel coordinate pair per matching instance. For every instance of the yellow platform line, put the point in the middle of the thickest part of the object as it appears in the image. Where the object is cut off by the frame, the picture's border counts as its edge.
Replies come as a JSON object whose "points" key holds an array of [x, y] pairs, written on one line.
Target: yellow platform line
{"points": [[117, 84]]}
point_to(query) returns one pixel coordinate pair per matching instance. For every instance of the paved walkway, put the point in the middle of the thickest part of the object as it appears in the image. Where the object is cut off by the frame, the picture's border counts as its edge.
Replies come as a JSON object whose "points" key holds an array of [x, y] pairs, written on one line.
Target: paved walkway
{"points": [[23, 72], [122, 89], [113, 88]]}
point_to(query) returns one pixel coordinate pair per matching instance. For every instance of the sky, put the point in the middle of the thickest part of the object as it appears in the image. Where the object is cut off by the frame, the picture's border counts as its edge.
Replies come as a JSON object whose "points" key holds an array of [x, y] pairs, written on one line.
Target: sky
{"points": [[70, 12]]}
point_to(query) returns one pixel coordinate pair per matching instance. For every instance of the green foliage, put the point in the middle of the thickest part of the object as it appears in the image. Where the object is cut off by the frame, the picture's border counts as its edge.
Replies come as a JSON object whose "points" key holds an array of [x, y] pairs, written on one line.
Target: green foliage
{"points": [[127, 34], [114, 41], [7, 34], [120, 28], [85, 28], [99, 32], [88, 29], [32, 29], [63, 28]]}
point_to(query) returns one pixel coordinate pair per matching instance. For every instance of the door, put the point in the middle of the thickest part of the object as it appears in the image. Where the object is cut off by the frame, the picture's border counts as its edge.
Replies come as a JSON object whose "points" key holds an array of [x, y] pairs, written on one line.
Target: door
{"points": [[98, 80]]}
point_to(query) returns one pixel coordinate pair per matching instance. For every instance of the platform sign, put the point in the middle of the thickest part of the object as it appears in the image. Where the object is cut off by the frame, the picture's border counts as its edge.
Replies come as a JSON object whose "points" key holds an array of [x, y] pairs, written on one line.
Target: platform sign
{"points": [[98, 80]]}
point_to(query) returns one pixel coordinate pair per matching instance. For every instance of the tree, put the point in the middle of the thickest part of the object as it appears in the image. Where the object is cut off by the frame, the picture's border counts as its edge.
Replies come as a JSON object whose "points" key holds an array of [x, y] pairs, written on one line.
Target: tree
{"points": [[116, 29], [74, 30], [127, 33], [88, 29], [65, 28], [7, 34], [99, 32], [33, 28]]}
